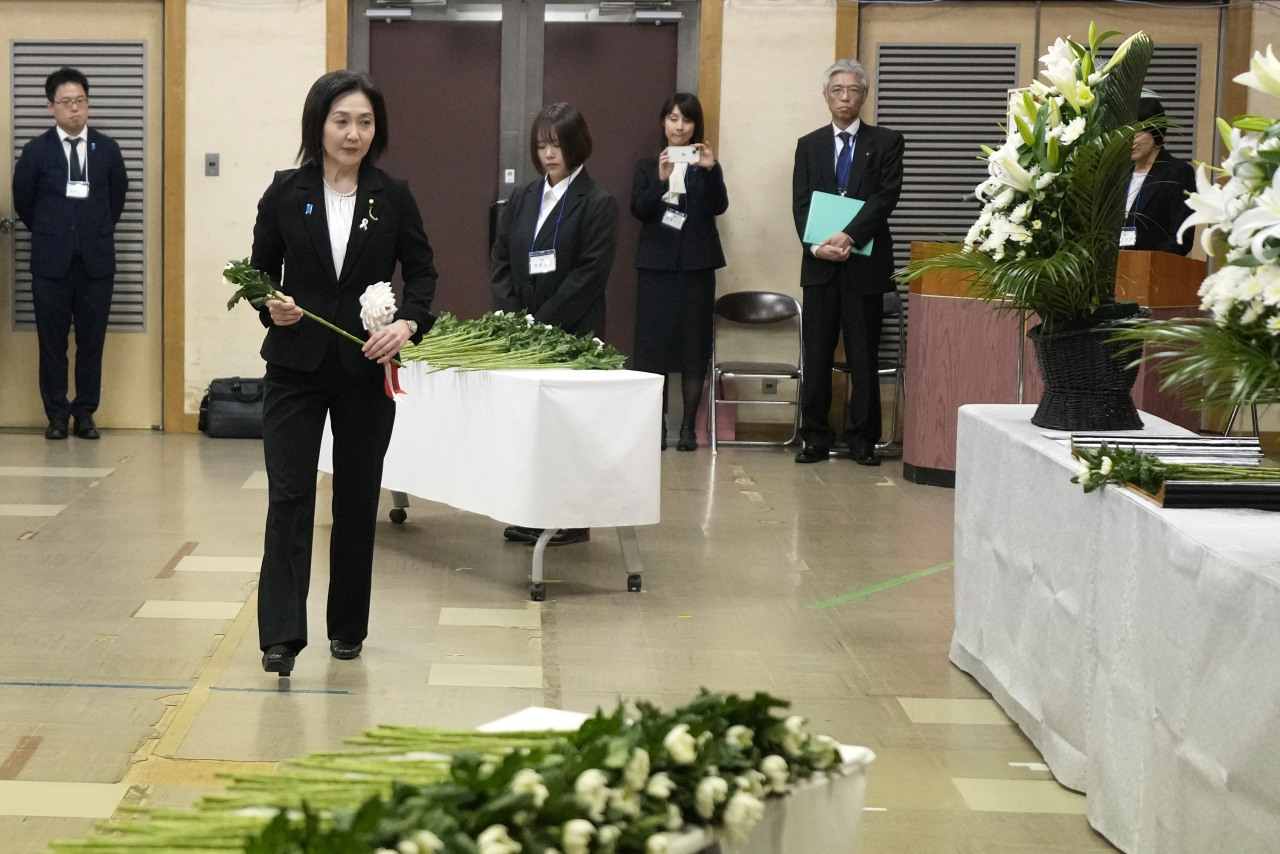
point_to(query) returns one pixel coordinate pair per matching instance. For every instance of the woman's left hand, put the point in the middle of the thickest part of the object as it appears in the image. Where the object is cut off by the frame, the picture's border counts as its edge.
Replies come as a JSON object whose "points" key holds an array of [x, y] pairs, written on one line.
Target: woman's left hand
{"points": [[383, 345], [705, 158]]}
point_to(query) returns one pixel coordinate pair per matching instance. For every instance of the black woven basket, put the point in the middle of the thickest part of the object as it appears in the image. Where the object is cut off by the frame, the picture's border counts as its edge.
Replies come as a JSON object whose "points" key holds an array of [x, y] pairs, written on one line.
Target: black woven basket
{"points": [[1087, 380]]}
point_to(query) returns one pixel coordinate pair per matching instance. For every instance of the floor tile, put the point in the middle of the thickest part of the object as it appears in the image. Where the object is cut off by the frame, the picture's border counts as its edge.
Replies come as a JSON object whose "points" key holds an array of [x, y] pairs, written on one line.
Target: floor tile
{"points": [[485, 676], [211, 563], [60, 800], [506, 618], [1034, 796], [52, 471], [167, 609], [257, 480], [31, 509], [934, 710]]}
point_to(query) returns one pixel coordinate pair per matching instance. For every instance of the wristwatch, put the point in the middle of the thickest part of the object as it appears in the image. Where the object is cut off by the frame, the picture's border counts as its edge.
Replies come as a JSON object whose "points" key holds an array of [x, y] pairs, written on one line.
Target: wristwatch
{"points": [[413, 326]]}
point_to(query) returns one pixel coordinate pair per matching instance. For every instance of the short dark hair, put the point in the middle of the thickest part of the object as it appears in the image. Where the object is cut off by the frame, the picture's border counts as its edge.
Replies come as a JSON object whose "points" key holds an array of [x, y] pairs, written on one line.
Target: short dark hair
{"points": [[315, 111], [61, 77], [690, 108], [563, 124], [1151, 108]]}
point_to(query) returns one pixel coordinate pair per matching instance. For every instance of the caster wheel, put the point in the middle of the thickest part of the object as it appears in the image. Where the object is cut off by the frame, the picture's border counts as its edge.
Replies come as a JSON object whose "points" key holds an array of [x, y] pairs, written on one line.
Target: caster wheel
{"points": [[398, 515], [633, 583], [538, 592]]}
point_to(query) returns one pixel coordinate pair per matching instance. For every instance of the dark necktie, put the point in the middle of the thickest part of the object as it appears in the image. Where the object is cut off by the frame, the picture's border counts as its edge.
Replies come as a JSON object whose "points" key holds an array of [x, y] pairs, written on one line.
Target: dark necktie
{"points": [[77, 171], [844, 161]]}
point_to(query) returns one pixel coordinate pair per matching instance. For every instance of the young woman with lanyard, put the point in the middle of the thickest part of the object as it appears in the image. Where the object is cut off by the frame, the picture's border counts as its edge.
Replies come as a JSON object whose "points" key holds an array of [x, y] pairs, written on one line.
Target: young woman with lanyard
{"points": [[1156, 204], [555, 245], [678, 256]]}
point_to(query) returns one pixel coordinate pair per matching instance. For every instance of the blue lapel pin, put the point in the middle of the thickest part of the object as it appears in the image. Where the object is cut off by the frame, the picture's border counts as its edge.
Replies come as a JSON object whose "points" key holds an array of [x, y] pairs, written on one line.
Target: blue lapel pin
{"points": [[308, 209]]}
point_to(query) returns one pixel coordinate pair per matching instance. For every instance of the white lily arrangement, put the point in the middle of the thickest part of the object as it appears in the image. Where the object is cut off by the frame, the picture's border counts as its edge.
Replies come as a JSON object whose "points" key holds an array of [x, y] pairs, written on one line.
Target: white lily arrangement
{"points": [[1233, 357], [1048, 235]]}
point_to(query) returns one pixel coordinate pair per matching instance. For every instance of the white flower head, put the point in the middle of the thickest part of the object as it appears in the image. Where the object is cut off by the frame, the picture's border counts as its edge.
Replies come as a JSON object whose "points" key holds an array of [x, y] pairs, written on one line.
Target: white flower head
{"points": [[592, 790], [795, 737], [625, 800], [1273, 324], [1072, 130], [637, 771], [1021, 212], [528, 320], [608, 836], [529, 782], [741, 814], [681, 745], [407, 846], [675, 818], [428, 842], [660, 786], [1084, 472], [778, 772], [1263, 74], [1106, 466], [710, 792], [494, 839], [576, 835], [752, 781], [1045, 180], [739, 736], [659, 843], [377, 306], [827, 751]]}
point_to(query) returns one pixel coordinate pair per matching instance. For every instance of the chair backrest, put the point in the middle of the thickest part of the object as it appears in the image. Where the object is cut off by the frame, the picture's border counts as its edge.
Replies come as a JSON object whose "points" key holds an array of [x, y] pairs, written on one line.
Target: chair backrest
{"points": [[893, 343], [757, 307]]}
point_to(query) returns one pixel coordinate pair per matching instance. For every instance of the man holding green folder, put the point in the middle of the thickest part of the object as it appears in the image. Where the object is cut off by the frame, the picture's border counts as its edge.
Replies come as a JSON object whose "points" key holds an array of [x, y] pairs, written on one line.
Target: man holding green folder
{"points": [[846, 183]]}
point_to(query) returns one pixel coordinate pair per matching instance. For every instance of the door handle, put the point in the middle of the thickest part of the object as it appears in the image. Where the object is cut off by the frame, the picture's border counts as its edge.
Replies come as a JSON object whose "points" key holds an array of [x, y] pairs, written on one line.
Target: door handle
{"points": [[7, 226]]}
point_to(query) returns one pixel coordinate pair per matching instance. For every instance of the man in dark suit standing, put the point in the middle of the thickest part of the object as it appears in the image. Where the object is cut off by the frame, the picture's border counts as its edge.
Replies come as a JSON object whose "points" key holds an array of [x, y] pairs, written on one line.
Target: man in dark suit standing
{"points": [[69, 188], [843, 290]]}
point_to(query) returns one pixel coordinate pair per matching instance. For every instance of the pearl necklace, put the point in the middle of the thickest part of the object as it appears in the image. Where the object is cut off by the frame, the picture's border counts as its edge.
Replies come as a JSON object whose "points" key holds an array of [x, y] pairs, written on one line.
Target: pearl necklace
{"points": [[336, 193]]}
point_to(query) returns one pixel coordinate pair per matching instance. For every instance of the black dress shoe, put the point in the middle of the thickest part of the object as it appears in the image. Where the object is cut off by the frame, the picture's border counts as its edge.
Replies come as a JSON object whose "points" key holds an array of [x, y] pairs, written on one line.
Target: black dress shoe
{"points": [[811, 454], [85, 428], [688, 440], [279, 659], [344, 651], [569, 536], [664, 434], [863, 452], [57, 429], [521, 534]]}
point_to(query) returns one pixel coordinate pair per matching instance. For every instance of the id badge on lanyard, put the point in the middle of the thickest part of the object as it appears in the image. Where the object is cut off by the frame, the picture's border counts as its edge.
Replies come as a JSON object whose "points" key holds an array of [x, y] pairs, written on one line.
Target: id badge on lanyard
{"points": [[542, 262], [77, 189], [1128, 237], [674, 219]]}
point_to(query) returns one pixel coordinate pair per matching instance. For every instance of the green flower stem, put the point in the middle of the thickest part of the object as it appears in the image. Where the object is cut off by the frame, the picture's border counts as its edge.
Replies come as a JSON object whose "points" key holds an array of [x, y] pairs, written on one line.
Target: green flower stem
{"points": [[344, 333]]}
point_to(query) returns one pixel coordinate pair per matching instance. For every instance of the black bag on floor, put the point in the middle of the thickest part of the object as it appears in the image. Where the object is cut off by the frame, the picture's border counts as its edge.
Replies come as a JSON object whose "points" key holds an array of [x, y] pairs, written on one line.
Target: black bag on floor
{"points": [[232, 409]]}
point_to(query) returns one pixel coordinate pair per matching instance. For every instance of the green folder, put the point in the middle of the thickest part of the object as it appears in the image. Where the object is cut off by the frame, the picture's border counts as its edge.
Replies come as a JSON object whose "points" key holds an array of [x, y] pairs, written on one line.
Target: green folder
{"points": [[828, 214]]}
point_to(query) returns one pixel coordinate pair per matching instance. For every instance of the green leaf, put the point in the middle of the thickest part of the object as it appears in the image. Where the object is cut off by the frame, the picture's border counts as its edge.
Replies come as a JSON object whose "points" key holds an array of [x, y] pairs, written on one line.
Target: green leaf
{"points": [[1224, 131], [1259, 124]]}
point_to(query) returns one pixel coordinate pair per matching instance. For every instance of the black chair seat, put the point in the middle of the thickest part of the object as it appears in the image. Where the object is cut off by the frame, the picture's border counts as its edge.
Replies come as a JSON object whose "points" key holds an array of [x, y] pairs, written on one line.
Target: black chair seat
{"points": [[773, 369], [886, 366]]}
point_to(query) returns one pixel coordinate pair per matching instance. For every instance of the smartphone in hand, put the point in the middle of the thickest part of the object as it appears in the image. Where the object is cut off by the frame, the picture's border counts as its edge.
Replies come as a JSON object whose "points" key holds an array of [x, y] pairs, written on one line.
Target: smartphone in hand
{"points": [[682, 154]]}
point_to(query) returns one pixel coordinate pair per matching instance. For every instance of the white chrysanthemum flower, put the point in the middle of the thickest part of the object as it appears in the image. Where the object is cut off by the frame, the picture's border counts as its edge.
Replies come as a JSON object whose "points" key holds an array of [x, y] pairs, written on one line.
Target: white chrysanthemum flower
{"points": [[407, 846], [637, 771], [681, 745], [608, 836], [659, 843], [576, 835], [377, 306], [625, 800], [827, 751], [1045, 180], [529, 782], [428, 842], [741, 814], [494, 839], [1072, 130], [778, 772], [795, 737], [752, 781], [710, 792], [592, 789], [660, 786], [1106, 466], [1084, 472], [675, 818], [1021, 212], [1003, 200], [739, 736], [1273, 325]]}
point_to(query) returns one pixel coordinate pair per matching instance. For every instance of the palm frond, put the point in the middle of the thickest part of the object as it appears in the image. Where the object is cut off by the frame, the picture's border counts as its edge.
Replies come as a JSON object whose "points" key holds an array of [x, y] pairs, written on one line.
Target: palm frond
{"points": [[1120, 90]]}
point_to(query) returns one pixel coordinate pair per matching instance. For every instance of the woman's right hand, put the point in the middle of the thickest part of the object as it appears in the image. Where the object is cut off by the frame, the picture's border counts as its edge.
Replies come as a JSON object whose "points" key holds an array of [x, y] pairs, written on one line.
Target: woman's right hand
{"points": [[283, 311], [665, 166]]}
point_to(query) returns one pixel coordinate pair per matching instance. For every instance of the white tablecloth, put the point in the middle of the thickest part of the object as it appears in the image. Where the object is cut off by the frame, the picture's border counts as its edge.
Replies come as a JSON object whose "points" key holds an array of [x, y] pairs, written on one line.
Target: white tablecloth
{"points": [[820, 816], [1138, 648], [542, 448]]}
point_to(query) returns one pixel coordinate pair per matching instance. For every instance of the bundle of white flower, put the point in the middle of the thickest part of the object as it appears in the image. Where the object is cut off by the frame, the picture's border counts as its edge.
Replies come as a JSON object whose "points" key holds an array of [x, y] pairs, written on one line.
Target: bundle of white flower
{"points": [[1242, 214], [1028, 175]]}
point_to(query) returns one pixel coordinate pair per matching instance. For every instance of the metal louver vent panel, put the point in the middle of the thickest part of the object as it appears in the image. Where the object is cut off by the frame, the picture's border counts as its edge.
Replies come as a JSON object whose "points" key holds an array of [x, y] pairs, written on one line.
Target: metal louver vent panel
{"points": [[1174, 75], [118, 105], [947, 100]]}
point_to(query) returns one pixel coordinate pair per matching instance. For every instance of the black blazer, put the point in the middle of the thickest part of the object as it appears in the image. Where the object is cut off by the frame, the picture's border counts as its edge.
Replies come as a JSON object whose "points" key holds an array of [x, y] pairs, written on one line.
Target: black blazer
{"points": [[60, 226], [292, 232], [1161, 207], [696, 246], [875, 176], [573, 296]]}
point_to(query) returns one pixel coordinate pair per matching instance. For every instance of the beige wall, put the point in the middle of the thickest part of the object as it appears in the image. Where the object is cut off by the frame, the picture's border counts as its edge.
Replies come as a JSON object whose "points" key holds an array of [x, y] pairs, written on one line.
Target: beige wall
{"points": [[249, 66]]}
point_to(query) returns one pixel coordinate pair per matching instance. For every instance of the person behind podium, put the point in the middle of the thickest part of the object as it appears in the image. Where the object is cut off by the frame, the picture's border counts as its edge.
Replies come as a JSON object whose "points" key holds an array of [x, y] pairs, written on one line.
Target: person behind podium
{"points": [[69, 189], [555, 246], [844, 290], [324, 233], [677, 259], [1158, 186]]}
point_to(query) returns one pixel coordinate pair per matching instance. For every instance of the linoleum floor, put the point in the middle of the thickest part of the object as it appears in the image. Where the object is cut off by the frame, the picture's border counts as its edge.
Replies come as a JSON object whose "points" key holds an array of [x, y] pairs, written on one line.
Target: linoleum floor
{"points": [[129, 666]]}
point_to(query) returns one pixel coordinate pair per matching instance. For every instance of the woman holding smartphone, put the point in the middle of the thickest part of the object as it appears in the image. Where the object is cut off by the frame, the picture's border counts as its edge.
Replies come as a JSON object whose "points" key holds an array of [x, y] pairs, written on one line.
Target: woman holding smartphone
{"points": [[555, 246], [677, 196]]}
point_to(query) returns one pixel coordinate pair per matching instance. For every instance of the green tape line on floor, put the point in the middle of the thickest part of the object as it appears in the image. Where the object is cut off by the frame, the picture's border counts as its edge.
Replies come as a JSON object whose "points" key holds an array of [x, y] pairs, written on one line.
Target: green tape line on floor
{"points": [[883, 585]]}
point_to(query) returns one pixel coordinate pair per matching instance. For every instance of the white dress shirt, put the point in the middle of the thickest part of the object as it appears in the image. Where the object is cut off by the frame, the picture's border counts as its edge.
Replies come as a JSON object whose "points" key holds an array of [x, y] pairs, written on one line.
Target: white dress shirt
{"points": [[339, 210], [82, 150], [1135, 189], [551, 197]]}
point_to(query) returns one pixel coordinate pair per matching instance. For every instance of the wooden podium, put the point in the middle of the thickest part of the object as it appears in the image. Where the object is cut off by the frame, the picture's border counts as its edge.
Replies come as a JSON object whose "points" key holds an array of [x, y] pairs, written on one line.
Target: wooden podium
{"points": [[962, 350]]}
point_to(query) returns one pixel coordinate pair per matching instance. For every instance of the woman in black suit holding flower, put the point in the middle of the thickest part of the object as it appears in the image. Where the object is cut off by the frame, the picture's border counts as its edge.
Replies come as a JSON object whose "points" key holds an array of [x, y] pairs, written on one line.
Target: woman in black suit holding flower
{"points": [[325, 232], [677, 259]]}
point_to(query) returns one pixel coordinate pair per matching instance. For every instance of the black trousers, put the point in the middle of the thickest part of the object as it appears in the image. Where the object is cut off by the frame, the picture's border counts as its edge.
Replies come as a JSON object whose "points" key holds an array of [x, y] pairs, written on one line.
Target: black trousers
{"points": [[71, 299], [361, 416], [829, 310]]}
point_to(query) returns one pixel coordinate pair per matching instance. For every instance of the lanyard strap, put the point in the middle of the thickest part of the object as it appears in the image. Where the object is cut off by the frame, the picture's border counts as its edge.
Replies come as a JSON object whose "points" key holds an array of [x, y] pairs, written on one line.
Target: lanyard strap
{"points": [[533, 244]]}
